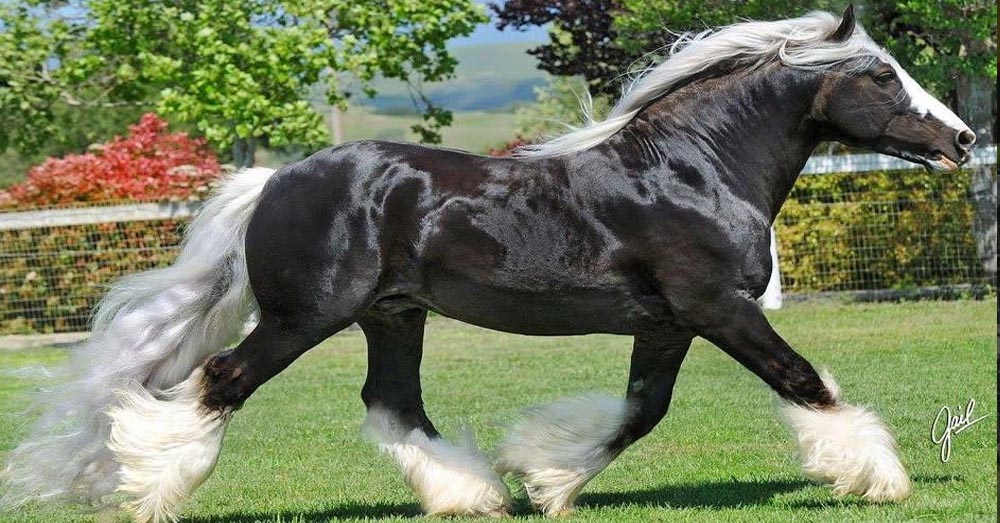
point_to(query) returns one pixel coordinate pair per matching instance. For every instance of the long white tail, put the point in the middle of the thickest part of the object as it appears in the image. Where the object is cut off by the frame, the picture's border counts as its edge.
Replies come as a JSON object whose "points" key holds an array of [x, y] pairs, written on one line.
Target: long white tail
{"points": [[151, 329]]}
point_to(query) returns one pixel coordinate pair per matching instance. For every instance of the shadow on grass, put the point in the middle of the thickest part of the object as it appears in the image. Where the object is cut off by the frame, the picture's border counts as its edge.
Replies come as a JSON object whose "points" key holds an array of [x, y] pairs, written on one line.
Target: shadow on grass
{"points": [[712, 495], [717, 495], [937, 478], [830, 501], [729, 494]]}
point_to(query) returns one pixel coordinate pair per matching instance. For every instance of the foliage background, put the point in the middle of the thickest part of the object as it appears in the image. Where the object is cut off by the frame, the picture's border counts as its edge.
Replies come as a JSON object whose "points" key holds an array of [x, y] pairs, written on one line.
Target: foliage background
{"points": [[877, 230]]}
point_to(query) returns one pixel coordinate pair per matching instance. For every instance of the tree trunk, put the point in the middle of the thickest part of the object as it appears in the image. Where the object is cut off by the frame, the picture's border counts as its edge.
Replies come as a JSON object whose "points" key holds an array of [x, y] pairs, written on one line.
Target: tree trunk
{"points": [[977, 106], [336, 124], [243, 152]]}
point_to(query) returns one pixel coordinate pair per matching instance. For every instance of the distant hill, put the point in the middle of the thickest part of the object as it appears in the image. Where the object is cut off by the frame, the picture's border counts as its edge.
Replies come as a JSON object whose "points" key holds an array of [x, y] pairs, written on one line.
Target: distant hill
{"points": [[488, 77]]}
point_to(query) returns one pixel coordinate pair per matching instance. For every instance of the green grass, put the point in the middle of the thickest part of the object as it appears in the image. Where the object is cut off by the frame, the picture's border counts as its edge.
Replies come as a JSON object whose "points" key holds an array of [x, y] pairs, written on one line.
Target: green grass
{"points": [[474, 131], [293, 454]]}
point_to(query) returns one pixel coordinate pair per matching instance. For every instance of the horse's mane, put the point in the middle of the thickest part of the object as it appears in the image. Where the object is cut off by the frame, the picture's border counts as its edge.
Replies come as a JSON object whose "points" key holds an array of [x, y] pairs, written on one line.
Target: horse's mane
{"points": [[801, 42]]}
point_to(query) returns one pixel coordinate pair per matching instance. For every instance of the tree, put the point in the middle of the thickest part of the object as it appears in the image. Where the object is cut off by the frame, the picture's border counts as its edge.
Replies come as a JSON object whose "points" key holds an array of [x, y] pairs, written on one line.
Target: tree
{"points": [[239, 70], [584, 41], [635, 19], [559, 105]]}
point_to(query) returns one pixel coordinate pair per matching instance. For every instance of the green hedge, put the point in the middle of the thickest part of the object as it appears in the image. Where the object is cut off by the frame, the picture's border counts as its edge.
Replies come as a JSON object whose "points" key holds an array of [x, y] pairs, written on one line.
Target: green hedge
{"points": [[879, 230], [51, 278]]}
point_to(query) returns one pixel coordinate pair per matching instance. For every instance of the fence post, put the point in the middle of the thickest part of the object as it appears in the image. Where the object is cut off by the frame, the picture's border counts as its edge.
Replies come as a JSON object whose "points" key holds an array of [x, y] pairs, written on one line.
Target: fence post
{"points": [[984, 221], [771, 299], [977, 106]]}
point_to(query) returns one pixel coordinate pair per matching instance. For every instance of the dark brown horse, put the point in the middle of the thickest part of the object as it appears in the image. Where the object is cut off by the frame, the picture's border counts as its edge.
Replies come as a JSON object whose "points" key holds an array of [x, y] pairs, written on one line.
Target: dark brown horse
{"points": [[652, 223]]}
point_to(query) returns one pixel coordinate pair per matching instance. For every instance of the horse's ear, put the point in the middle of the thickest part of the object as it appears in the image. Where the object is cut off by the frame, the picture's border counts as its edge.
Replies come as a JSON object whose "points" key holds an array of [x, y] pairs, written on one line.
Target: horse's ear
{"points": [[847, 24]]}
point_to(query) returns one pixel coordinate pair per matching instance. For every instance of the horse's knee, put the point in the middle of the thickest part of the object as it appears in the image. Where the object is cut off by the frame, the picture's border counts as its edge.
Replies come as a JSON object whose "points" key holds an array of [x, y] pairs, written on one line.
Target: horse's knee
{"points": [[633, 430], [800, 384]]}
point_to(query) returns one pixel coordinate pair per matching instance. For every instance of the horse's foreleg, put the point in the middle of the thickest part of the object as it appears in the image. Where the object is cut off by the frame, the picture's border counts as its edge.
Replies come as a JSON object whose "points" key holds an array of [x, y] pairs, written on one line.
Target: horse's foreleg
{"points": [[846, 446], [557, 448], [448, 479], [168, 445]]}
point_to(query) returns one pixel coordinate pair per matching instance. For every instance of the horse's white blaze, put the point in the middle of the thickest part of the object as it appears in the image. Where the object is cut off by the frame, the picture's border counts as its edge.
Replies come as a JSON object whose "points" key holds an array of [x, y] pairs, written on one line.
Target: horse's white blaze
{"points": [[558, 447], [848, 447], [923, 103], [449, 479], [165, 448]]}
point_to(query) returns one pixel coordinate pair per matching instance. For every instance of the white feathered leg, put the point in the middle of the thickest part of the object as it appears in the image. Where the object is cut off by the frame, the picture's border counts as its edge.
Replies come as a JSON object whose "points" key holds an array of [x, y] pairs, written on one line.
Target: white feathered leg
{"points": [[166, 447], [558, 447], [448, 479], [848, 447]]}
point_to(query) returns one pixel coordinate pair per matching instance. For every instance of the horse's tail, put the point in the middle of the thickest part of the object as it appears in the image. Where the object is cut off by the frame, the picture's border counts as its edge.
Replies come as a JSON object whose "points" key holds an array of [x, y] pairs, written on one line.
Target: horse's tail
{"points": [[151, 329]]}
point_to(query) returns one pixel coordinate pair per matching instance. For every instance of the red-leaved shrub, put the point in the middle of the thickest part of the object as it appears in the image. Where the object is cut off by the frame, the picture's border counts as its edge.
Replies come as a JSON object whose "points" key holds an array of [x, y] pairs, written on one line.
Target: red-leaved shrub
{"points": [[508, 148], [149, 163]]}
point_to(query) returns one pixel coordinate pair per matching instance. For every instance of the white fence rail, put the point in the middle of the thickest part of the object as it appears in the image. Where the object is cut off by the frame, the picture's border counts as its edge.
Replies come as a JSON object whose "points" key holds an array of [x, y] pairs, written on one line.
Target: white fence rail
{"points": [[133, 212], [861, 163]]}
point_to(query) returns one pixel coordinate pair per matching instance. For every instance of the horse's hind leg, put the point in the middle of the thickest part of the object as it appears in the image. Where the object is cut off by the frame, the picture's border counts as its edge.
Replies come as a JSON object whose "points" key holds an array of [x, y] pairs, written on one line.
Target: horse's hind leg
{"points": [[840, 444], [448, 479], [168, 445], [557, 448]]}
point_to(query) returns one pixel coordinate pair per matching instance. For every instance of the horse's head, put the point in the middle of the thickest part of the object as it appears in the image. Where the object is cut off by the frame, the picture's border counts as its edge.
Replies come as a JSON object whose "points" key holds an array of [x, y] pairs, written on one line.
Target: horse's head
{"points": [[872, 102]]}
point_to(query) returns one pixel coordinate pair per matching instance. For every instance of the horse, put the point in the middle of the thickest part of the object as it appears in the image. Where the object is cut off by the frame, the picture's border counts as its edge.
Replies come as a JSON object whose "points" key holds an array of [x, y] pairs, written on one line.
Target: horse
{"points": [[652, 223]]}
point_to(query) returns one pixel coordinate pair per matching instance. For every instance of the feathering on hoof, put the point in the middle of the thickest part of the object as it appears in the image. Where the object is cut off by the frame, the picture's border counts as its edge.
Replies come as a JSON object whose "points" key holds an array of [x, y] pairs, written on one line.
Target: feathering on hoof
{"points": [[849, 448], [558, 447]]}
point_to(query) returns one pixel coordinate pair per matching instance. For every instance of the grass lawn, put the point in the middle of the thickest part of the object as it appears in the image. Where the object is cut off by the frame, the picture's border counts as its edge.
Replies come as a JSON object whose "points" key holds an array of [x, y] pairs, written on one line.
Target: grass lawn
{"points": [[474, 131], [294, 454]]}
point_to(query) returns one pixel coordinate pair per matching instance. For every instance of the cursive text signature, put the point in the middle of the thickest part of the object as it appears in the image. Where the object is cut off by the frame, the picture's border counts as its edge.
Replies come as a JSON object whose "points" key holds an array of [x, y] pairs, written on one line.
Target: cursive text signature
{"points": [[947, 425]]}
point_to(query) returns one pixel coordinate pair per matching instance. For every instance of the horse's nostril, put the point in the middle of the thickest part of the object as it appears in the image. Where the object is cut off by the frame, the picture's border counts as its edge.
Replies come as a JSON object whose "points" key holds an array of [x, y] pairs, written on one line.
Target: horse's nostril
{"points": [[965, 139]]}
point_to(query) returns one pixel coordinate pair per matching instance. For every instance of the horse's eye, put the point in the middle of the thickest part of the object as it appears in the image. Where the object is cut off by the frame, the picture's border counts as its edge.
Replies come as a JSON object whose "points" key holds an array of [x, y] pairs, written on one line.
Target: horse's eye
{"points": [[884, 78]]}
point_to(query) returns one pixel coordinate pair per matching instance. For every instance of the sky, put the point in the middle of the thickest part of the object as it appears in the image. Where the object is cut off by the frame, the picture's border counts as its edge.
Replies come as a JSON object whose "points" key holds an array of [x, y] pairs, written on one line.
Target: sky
{"points": [[489, 34]]}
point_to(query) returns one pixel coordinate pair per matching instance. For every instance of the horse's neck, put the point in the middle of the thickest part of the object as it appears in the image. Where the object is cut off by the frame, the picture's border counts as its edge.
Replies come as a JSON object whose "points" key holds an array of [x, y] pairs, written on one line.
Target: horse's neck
{"points": [[752, 126]]}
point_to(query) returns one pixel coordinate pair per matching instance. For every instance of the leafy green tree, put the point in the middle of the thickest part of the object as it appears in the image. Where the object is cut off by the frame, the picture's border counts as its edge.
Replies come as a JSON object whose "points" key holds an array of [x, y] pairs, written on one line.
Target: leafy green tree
{"points": [[240, 71], [584, 41]]}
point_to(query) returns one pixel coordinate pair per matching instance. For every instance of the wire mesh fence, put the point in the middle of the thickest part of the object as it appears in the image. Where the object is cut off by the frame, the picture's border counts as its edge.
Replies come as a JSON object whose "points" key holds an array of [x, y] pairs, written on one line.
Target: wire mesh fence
{"points": [[53, 273], [858, 231], [879, 230]]}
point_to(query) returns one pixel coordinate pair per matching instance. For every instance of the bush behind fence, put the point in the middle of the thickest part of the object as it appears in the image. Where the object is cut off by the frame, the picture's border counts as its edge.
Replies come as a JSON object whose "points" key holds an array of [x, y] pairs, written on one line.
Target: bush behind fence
{"points": [[878, 230], [52, 277], [836, 232]]}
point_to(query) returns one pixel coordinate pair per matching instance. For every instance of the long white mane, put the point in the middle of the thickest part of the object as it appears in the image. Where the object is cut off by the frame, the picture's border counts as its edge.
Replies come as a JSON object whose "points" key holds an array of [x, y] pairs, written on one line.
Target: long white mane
{"points": [[797, 42]]}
